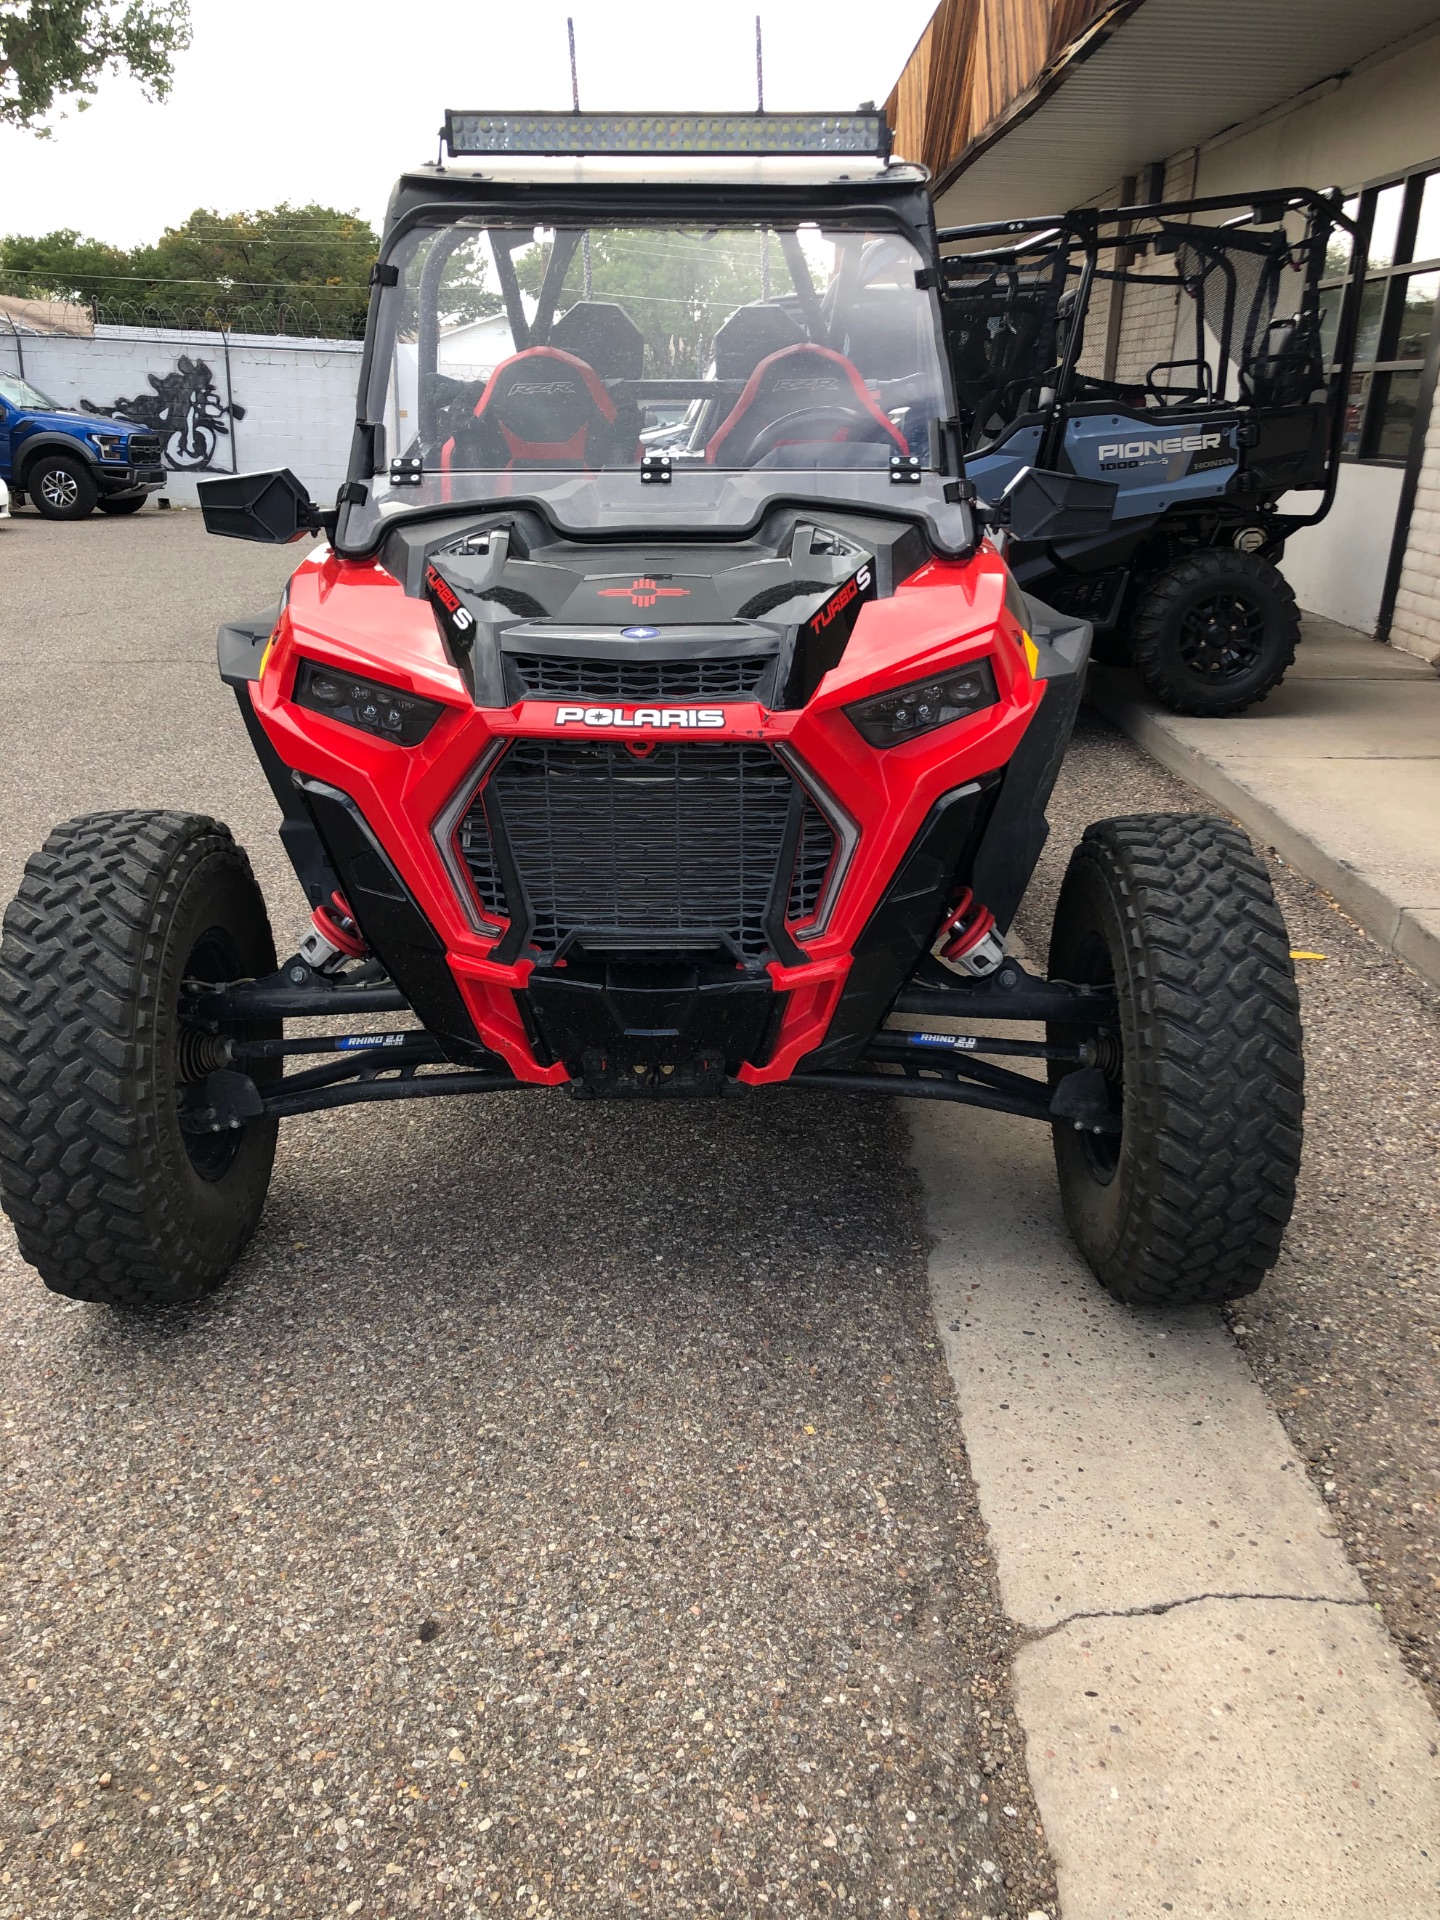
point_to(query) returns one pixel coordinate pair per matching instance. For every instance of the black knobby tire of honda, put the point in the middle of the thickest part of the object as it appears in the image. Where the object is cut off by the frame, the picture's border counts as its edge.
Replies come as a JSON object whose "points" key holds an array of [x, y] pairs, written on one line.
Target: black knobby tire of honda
{"points": [[1214, 633], [1188, 1203], [111, 1200]]}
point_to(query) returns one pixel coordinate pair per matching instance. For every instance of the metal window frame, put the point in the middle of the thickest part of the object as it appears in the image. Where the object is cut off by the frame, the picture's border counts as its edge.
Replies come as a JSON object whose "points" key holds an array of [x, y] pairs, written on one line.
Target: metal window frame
{"points": [[1367, 194], [1384, 360]]}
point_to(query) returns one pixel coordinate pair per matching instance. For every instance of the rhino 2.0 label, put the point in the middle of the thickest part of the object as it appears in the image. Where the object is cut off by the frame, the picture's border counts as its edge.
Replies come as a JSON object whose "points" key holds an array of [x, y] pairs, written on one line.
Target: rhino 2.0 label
{"points": [[639, 717]]}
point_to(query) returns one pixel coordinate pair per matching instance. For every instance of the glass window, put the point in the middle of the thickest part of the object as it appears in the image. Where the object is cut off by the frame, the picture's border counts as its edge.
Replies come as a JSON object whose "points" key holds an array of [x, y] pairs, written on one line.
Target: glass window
{"points": [[1392, 414], [1372, 307], [20, 393], [1416, 315], [1395, 318], [1331, 300], [1386, 224], [1355, 411], [551, 349], [1338, 246], [1427, 232]]}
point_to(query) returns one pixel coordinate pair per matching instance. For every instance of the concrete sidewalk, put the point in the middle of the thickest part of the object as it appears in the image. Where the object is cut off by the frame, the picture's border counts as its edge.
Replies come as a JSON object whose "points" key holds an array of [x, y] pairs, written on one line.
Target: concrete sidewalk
{"points": [[1216, 1721], [1339, 771]]}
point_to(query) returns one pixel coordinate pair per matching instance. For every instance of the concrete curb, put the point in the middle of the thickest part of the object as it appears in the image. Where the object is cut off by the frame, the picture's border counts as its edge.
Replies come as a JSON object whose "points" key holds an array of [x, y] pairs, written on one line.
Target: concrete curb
{"points": [[1216, 1720], [1412, 933]]}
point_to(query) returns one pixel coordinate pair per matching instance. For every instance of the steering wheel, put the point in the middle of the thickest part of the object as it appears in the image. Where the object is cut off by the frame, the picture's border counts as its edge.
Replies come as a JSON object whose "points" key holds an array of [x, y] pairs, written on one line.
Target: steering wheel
{"points": [[815, 423]]}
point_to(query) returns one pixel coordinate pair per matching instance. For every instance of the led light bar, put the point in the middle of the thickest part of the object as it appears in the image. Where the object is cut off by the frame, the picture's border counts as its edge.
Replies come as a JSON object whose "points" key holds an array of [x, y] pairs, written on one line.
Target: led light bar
{"points": [[680, 133]]}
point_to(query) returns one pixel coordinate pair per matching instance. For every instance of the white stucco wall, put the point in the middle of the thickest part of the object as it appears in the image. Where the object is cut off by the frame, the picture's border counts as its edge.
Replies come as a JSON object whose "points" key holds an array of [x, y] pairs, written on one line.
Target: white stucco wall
{"points": [[1338, 568], [297, 396], [1378, 121]]}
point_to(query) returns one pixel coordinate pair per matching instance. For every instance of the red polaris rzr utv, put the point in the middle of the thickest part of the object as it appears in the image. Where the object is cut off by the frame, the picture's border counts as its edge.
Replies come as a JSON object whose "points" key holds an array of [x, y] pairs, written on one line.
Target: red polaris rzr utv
{"points": [[654, 721]]}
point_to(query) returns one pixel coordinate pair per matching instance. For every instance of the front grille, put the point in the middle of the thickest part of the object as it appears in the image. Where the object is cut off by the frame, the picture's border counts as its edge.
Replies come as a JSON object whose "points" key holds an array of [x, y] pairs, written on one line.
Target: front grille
{"points": [[477, 850], [144, 450], [813, 857], [686, 839], [542, 674]]}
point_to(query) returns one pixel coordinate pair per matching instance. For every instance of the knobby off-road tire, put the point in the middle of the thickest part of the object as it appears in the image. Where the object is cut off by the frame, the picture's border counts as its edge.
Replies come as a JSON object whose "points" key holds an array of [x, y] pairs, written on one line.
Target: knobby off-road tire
{"points": [[1214, 633], [111, 1201], [116, 504], [1188, 1204]]}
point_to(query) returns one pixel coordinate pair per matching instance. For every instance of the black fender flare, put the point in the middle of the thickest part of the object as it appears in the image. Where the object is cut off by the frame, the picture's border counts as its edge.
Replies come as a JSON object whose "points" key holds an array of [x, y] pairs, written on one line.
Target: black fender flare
{"points": [[48, 440]]}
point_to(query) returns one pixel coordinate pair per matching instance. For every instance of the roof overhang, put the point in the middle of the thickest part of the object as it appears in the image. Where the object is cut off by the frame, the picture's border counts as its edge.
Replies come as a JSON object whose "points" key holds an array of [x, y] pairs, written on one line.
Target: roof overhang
{"points": [[1156, 79]]}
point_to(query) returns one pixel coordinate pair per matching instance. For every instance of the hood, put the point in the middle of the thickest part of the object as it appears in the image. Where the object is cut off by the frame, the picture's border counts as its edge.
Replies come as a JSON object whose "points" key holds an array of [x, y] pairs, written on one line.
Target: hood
{"points": [[67, 422], [528, 614]]}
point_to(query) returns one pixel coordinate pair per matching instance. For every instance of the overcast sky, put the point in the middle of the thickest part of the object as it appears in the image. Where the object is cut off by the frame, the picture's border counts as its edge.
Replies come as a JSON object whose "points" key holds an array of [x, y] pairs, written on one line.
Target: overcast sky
{"points": [[280, 100]]}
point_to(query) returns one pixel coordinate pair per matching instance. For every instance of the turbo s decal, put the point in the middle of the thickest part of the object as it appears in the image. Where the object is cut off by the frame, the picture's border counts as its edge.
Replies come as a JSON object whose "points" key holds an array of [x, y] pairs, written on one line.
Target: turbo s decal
{"points": [[857, 587], [452, 616], [639, 717], [449, 599]]}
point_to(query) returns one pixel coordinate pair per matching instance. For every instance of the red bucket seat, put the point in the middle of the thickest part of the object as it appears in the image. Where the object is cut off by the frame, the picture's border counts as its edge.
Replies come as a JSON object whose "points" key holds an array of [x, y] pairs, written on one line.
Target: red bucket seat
{"points": [[816, 389], [540, 408]]}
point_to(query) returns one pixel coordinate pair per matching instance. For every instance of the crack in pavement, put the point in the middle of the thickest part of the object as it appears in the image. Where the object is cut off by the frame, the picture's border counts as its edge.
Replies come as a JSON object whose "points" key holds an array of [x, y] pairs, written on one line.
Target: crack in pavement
{"points": [[1189, 1600]]}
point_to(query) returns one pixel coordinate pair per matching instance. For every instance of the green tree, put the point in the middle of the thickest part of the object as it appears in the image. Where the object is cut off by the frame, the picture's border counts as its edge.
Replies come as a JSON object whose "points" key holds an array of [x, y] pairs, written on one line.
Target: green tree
{"points": [[245, 266], [287, 269], [55, 50], [59, 265], [676, 285]]}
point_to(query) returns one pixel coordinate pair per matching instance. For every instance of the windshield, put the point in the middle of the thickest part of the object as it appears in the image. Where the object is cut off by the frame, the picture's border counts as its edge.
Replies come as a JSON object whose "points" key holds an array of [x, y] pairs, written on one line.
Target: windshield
{"points": [[513, 358], [20, 393]]}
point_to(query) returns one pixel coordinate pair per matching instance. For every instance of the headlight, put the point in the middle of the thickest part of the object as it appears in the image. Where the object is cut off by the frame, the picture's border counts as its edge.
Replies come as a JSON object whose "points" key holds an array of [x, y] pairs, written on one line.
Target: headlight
{"points": [[110, 446], [367, 704], [896, 717]]}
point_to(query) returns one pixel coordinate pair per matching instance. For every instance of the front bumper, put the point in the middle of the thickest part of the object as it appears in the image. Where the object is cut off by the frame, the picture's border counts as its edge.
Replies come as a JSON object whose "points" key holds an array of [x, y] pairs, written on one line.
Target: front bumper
{"points": [[124, 479], [494, 970]]}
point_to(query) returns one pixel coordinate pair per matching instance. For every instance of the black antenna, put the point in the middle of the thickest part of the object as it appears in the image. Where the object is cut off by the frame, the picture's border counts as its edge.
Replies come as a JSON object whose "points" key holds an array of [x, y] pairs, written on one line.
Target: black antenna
{"points": [[760, 108], [575, 103]]}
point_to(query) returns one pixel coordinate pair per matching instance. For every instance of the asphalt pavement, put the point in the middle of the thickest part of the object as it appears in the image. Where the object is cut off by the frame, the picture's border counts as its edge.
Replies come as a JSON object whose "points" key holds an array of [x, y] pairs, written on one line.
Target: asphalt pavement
{"points": [[563, 1511]]}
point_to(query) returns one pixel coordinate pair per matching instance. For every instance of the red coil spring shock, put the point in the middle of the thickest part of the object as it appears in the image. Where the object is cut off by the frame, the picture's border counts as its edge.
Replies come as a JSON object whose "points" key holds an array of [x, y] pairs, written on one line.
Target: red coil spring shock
{"points": [[333, 921]]}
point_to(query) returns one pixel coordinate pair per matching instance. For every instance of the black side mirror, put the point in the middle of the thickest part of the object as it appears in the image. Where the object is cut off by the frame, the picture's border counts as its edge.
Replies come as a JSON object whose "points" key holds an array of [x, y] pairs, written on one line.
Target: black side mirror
{"points": [[273, 507], [1041, 505]]}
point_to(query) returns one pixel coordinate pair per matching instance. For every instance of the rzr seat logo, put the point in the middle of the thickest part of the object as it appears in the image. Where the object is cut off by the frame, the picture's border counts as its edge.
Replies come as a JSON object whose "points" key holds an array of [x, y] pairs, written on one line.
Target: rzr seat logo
{"points": [[639, 717], [545, 387], [643, 592]]}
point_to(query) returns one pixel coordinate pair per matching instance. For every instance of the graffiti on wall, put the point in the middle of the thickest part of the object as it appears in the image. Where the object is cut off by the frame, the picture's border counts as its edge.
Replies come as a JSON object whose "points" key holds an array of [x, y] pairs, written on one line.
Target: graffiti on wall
{"points": [[185, 408]]}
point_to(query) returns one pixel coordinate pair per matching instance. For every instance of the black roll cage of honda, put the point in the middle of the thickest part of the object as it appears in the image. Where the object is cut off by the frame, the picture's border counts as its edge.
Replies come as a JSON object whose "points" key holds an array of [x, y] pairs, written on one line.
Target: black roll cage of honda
{"points": [[1075, 240]]}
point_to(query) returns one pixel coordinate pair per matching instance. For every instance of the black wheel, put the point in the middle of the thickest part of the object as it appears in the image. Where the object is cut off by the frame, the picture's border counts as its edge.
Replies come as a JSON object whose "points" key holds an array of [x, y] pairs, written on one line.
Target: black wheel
{"points": [[1214, 633], [1185, 1205], [122, 502], [60, 487], [112, 1199]]}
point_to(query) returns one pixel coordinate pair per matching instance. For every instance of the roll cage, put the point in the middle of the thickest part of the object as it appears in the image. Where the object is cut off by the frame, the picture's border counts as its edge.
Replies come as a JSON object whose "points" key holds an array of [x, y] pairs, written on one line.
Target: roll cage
{"points": [[1246, 292]]}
